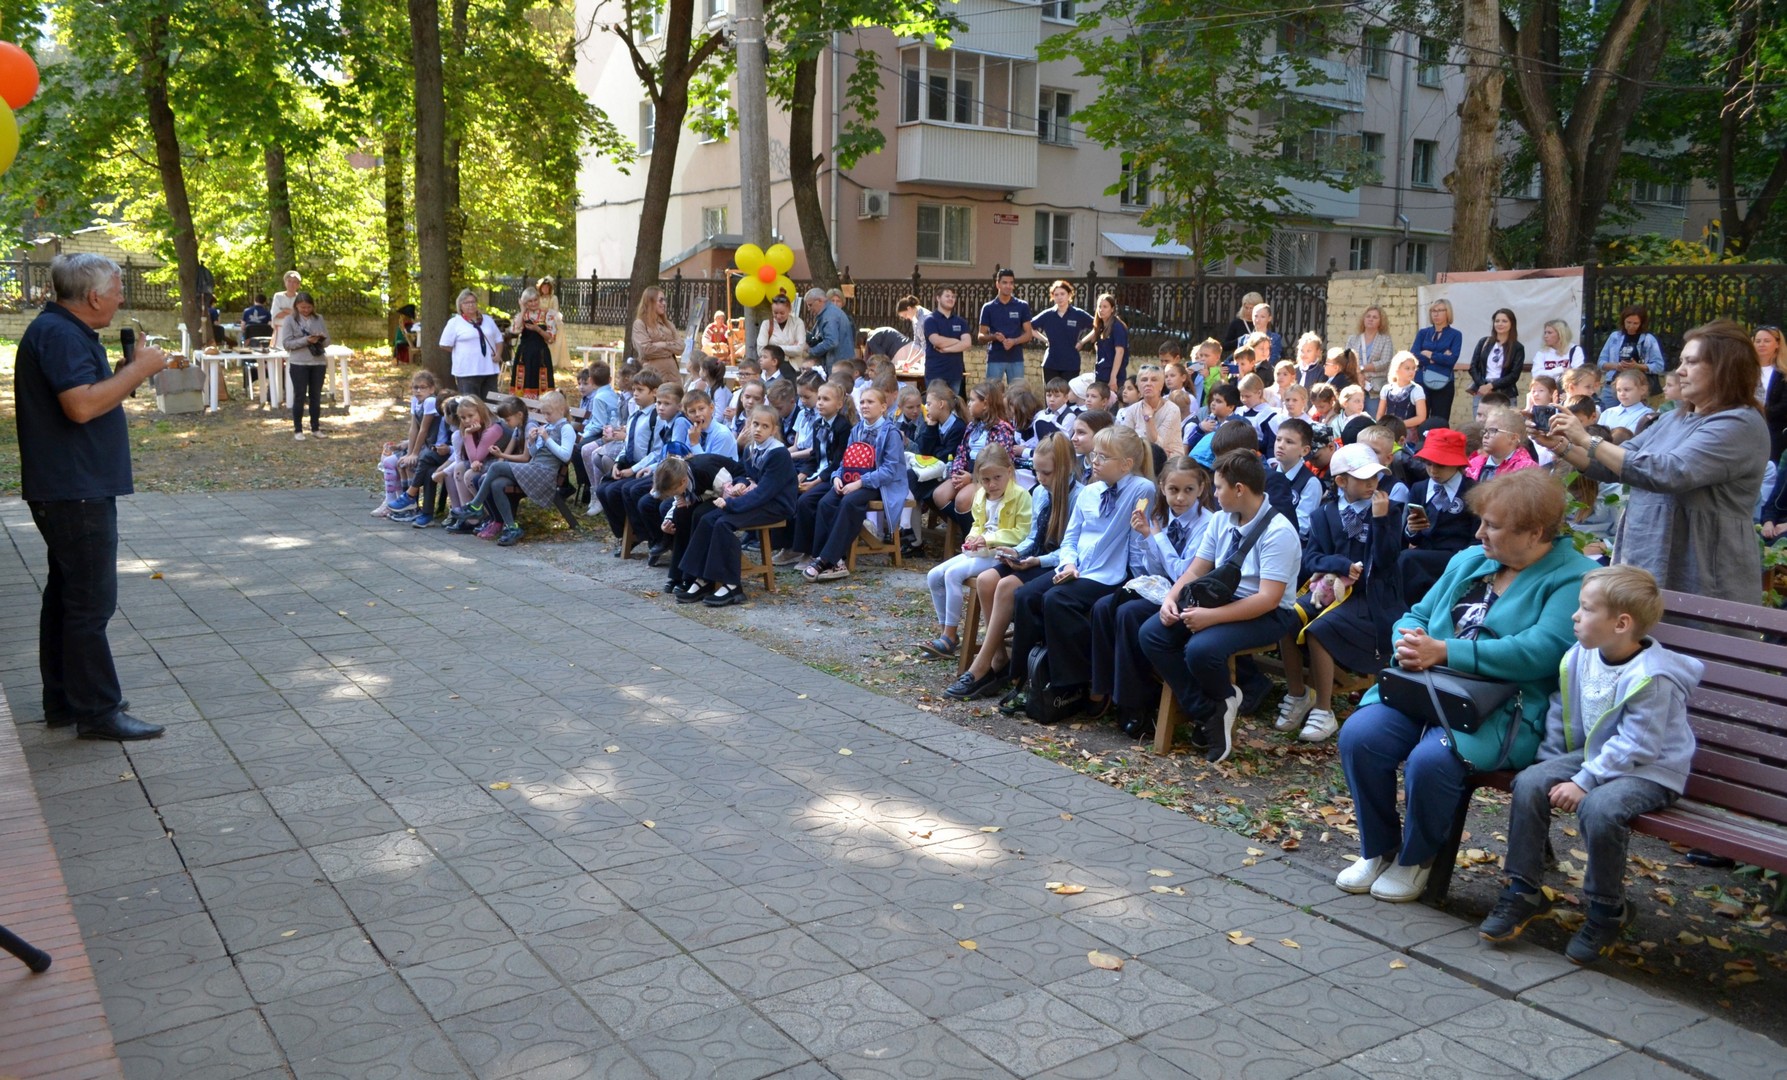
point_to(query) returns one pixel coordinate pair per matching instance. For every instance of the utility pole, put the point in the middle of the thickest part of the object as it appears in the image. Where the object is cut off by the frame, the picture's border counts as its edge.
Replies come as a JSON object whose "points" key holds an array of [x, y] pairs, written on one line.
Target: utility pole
{"points": [[753, 137]]}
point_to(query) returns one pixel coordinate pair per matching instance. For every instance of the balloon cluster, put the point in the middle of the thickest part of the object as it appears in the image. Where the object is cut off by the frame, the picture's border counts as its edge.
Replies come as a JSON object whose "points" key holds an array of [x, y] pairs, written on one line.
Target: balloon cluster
{"points": [[766, 274], [18, 85]]}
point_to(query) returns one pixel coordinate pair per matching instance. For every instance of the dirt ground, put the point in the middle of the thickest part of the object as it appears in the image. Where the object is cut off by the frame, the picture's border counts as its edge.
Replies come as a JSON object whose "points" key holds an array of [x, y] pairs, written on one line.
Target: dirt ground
{"points": [[1706, 936]]}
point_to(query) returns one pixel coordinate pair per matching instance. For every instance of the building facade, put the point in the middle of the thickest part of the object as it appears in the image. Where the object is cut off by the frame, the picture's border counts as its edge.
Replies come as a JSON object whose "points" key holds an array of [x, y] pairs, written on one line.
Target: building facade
{"points": [[984, 166]]}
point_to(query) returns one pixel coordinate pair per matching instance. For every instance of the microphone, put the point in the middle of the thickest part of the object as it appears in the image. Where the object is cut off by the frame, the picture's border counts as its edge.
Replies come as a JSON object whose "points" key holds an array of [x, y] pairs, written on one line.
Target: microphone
{"points": [[127, 341]]}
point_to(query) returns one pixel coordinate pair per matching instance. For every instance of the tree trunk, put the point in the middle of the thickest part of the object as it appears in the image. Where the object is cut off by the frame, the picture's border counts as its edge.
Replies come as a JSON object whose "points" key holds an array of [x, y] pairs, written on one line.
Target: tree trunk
{"points": [[431, 174], [397, 269], [803, 173], [279, 211], [154, 73], [1476, 171], [455, 132]]}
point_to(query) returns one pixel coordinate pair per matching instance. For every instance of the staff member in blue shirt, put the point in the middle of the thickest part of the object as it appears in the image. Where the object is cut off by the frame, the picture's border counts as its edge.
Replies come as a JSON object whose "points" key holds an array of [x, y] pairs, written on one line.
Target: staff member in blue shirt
{"points": [[1437, 348], [74, 452], [946, 338], [1004, 328], [1063, 325]]}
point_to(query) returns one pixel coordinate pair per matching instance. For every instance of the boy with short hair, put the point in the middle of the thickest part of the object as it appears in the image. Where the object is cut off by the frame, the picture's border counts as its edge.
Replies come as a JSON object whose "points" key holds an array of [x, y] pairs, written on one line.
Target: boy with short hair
{"points": [[1617, 744], [1630, 387], [1059, 413], [1289, 449], [1582, 380], [1099, 396], [1587, 408], [772, 362], [1255, 411]]}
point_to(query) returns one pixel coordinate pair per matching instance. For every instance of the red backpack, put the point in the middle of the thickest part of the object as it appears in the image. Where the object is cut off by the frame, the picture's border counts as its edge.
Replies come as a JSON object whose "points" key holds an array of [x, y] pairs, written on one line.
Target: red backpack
{"points": [[859, 458]]}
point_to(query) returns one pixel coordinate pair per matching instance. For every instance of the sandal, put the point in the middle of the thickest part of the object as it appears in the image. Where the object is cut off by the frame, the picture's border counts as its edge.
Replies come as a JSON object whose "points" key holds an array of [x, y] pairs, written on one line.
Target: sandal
{"points": [[939, 648]]}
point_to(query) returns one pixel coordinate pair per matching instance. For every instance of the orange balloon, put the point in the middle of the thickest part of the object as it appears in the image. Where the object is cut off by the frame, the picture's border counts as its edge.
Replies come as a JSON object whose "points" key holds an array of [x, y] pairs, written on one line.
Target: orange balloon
{"points": [[18, 75], [766, 274]]}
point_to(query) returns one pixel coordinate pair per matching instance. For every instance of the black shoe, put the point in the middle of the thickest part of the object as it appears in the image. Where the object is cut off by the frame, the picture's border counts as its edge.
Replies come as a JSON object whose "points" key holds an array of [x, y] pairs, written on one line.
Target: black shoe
{"points": [[692, 593], [57, 719], [1014, 703], [1254, 694], [1512, 913], [726, 596], [1138, 724], [1599, 934], [967, 687], [654, 558], [121, 727], [671, 585]]}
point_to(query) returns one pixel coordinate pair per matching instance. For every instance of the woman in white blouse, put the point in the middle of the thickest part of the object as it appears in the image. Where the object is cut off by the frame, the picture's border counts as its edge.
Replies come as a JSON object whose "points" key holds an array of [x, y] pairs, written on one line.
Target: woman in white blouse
{"points": [[1373, 346], [1558, 351], [784, 328]]}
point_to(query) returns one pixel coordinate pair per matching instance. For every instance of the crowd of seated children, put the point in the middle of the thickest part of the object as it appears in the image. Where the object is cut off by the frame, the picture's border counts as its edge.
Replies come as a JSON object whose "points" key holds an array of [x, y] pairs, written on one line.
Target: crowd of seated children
{"points": [[630, 441], [818, 464], [1058, 410], [989, 421], [651, 434], [710, 568], [607, 404], [1296, 403], [398, 462], [1000, 521], [474, 444], [549, 444], [1224, 403]]}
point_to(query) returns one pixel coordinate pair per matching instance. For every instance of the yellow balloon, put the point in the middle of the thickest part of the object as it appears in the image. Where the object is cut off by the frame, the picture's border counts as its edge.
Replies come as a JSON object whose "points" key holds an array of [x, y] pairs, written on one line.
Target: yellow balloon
{"points": [[9, 137], [784, 286], [749, 258], [749, 292], [781, 256]]}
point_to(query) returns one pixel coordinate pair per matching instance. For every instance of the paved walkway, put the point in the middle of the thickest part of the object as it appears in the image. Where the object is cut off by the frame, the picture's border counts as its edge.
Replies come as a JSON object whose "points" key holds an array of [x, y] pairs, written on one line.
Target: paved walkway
{"points": [[428, 808]]}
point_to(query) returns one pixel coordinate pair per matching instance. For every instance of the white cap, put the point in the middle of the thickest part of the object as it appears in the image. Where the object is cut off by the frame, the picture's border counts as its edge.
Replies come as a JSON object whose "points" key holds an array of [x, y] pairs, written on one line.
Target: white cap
{"points": [[1079, 384], [1357, 460]]}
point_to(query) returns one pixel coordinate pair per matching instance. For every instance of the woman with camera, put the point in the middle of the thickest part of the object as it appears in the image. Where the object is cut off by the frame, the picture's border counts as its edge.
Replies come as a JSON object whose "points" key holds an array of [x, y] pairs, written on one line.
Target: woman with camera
{"points": [[304, 336], [1501, 612]]}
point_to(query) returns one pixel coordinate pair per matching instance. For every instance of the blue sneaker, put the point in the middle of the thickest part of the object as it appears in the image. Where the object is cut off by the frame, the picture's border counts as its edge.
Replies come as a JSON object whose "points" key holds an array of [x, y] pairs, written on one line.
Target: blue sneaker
{"points": [[402, 517], [422, 521], [403, 501]]}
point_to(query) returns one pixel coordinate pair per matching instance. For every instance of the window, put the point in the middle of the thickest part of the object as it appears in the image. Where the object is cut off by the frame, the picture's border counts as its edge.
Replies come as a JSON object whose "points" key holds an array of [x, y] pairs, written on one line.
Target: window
{"points": [[938, 101], [950, 86], [1058, 10], [1432, 60], [1359, 254], [645, 19], [1300, 35], [943, 233], [1135, 186], [1421, 165], [1661, 192], [713, 221], [1371, 157], [648, 122], [1414, 259], [712, 9], [710, 124], [1326, 147], [1291, 253], [1054, 239], [1377, 52], [1052, 118]]}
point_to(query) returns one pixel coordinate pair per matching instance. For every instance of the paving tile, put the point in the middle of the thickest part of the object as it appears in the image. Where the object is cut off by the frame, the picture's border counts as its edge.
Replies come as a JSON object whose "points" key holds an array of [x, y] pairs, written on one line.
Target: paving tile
{"points": [[1289, 882], [733, 1044], [294, 914], [1134, 1000], [921, 1053], [415, 1054], [1329, 1020], [226, 1048], [307, 1025], [719, 916], [814, 895], [1509, 969], [1631, 1066], [770, 964], [146, 1002], [875, 935], [1429, 1055], [1136, 924], [309, 963], [1124, 1061], [1538, 1045], [1422, 993], [657, 995], [839, 1014], [477, 979], [1719, 1048], [527, 1033], [554, 904], [185, 939], [1618, 1009], [947, 981], [1400, 926], [106, 911], [589, 950], [1031, 1032], [121, 866], [1225, 1043], [611, 1062]]}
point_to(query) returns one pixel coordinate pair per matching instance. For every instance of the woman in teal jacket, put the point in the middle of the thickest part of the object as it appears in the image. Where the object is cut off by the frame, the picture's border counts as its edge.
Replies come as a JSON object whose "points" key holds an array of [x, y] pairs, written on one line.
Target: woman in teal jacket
{"points": [[1502, 610]]}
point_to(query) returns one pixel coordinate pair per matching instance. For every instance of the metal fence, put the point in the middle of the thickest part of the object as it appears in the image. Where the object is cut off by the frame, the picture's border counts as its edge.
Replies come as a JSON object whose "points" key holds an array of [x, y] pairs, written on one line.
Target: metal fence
{"points": [[25, 285], [1679, 298], [1155, 309]]}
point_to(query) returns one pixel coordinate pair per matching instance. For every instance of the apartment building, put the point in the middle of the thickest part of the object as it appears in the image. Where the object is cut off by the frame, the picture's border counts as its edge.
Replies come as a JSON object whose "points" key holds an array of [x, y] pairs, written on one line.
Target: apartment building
{"points": [[984, 166]]}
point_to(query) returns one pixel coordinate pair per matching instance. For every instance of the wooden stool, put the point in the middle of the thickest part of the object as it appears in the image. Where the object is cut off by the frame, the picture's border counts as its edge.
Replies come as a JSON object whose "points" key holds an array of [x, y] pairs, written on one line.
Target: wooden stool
{"points": [[765, 569], [627, 541], [952, 540], [1168, 715], [868, 543], [969, 630]]}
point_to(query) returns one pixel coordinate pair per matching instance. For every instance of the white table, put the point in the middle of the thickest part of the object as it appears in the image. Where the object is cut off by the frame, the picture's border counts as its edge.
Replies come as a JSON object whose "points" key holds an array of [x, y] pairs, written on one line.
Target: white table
{"points": [[601, 352], [215, 365], [339, 356], [273, 379]]}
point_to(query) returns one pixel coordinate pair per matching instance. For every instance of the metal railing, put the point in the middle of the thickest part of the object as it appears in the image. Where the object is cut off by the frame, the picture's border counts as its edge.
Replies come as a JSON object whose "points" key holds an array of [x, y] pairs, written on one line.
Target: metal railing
{"points": [[1678, 298]]}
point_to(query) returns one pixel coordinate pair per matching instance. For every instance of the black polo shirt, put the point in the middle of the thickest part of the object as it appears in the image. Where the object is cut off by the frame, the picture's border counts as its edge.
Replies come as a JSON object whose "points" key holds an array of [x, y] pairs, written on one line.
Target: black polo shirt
{"points": [[63, 460]]}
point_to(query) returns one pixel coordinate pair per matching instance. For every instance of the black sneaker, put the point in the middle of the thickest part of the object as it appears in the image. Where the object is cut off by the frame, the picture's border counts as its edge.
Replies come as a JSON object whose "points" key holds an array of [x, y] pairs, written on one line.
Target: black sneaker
{"points": [[963, 687], [1513, 911], [1014, 703], [1599, 934], [692, 593]]}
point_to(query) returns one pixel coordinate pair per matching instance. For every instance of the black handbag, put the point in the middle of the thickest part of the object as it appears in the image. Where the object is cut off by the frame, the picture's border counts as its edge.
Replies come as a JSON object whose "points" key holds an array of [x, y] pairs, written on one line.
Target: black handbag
{"points": [[1443, 697], [1217, 588]]}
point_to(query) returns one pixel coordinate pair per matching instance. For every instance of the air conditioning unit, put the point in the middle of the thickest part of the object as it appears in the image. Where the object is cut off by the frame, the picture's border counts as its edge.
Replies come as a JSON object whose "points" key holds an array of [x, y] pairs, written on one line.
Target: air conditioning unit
{"points": [[871, 204]]}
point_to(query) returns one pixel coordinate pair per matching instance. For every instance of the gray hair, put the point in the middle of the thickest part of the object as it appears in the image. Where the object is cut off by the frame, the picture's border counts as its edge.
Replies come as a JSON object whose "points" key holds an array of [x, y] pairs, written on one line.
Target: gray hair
{"points": [[815, 294], [76, 277], [834, 294], [529, 293], [464, 295]]}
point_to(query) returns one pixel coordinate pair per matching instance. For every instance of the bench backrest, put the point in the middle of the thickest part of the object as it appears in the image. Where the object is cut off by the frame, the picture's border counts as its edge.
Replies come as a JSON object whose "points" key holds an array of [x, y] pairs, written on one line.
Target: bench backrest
{"points": [[576, 413], [1739, 711]]}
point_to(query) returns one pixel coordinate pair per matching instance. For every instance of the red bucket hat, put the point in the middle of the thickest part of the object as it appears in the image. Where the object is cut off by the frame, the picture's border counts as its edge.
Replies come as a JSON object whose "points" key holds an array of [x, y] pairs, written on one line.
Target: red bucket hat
{"points": [[1444, 447]]}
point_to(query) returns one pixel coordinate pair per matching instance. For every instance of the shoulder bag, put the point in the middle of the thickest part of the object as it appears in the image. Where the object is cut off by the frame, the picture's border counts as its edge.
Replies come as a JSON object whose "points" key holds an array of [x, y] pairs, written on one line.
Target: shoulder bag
{"points": [[1444, 697], [1217, 587]]}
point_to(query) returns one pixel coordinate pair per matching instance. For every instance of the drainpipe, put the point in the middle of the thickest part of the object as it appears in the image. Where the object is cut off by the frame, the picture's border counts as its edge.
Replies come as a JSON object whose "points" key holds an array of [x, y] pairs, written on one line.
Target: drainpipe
{"points": [[1402, 124], [837, 115]]}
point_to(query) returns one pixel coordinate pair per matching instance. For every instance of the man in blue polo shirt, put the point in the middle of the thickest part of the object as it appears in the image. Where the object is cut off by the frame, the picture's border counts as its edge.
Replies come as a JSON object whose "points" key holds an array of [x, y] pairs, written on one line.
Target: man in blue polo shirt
{"points": [[74, 450], [1004, 328], [1064, 326], [947, 337]]}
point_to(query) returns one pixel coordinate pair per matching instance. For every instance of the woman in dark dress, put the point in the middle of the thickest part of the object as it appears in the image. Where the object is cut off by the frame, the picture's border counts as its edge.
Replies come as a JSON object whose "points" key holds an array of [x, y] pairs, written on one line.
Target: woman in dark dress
{"points": [[535, 329]]}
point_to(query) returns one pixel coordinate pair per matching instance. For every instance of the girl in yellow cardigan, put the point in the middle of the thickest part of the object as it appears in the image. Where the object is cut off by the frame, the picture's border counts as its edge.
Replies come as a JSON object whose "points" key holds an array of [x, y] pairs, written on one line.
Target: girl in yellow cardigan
{"points": [[1001, 515]]}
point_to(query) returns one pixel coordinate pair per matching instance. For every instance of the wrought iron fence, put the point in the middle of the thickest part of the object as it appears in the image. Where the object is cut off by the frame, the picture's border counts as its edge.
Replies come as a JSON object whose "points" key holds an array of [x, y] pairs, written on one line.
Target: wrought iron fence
{"points": [[1679, 298], [25, 285]]}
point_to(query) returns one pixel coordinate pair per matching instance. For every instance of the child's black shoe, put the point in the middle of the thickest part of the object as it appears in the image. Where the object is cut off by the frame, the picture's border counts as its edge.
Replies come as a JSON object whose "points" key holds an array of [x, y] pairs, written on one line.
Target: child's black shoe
{"points": [[1599, 934], [1513, 912], [1014, 703], [692, 593]]}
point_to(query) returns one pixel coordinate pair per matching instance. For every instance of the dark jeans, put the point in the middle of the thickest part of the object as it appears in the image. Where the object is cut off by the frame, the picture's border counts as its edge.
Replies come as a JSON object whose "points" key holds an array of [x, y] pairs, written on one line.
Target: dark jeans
{"points": [[1605, 817], [838, 520], [1373, 742], [307, 381], [1439, 407], [80, 682], [1119, 671], [478, 386], [1196, 665]]}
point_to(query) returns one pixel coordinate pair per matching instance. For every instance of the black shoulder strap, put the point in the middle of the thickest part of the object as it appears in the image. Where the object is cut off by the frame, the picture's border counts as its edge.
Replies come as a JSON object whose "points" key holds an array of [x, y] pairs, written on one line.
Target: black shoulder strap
{"points": [[1253, 537]]}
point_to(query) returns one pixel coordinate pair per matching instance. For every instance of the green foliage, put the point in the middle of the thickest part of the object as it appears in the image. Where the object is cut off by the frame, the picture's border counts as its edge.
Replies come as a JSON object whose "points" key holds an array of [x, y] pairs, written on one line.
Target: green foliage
{"points": [[1653, 250], [1205, 103]]}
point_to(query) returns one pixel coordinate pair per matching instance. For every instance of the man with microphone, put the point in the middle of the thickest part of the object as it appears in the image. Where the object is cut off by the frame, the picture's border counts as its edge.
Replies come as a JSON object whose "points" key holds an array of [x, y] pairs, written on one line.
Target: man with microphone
{"points": [[74, 448]]}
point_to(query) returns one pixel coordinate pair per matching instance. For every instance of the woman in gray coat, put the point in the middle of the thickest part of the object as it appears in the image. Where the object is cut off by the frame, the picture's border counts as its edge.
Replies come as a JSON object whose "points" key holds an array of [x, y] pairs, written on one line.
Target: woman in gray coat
{"points": [[1694, 476], [304, 336]]}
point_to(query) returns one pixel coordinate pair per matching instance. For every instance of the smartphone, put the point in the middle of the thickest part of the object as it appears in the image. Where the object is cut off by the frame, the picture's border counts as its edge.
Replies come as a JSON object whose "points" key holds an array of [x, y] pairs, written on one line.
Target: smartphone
{"points": [[1005, 554], [1541, 416]]}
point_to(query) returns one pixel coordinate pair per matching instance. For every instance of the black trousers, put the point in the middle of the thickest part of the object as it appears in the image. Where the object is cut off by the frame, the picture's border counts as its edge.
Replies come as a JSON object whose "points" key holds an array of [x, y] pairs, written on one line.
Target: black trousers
{"points": [[307, 382], [478, 386], [427, 462], [1067, 628], [80, 682], [806, 519], [1119, 670], [1439, 407], [617, 496], [715, 553]]}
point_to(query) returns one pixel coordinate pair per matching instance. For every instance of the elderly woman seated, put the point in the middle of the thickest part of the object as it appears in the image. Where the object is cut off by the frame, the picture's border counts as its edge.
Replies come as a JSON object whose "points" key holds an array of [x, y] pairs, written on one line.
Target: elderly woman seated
{"points": [[1501, 611]]}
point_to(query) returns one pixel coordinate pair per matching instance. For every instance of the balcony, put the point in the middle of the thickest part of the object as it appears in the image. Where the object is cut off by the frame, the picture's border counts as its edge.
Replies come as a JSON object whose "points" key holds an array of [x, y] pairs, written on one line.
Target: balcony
{"points": [[1346, 92], [961, 155], [1323, 200], [1008, 28]]}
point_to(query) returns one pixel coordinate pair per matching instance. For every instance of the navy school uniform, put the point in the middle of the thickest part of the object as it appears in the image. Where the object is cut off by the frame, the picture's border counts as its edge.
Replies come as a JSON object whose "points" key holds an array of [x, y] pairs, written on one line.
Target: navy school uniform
{"points": [[1261, 416], [1119, 670], [830, 437], [1049, 421], [1306, 492], [1452, 528], [840, 517], [714, 550], [940, 441], [687, 514], [1357, 633], [646, 435]]}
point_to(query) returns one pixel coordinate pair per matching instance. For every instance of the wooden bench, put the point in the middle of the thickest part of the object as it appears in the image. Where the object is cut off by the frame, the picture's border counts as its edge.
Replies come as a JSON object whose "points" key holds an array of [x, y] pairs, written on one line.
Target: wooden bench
{"points": [[576, 414], [1736, 801], [1169, 714], [868, 542]]}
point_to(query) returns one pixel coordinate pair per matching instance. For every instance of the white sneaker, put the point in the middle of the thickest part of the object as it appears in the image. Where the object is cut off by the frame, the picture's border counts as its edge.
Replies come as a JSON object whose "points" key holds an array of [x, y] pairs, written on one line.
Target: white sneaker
{"points": [[1320, 727], [299, 437], [1401, 884], [1359, 877], [1292, 710], [594, 509], [381, 510]]}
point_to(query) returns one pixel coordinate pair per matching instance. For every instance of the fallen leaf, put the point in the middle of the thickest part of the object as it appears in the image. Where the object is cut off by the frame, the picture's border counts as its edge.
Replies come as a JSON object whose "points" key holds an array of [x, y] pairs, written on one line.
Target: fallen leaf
{"points": [[1288, 943], [1256, 852], [1066, 817], [1743, 977], [1719, 943], [800, 697], [1063, 889], [969, 943], [1104, 960], [155, 576], [846, 751], [1689, 938], [990, 828], [926, 835], [1168, 889], [1160, 873], [1249, 862], [1236, 937], [288, 933], [1290, 843], [957, 907], [500, 785], [611, 749], [1397, 965], [649, 823]]}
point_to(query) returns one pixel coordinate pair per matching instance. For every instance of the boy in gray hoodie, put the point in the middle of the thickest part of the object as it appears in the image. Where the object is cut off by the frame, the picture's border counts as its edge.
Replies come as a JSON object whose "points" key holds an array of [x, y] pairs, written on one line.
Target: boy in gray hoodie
{"points": [[1617, 744]]}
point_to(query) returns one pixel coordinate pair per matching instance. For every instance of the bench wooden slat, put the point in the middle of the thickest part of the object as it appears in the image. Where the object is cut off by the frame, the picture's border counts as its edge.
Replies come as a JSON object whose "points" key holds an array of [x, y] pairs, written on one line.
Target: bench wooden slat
{"points": [[1680, 605], [1764, 717], [1740, 770], [1715, 734], [1690, 823], [1742, 680], [1755, 802], [1704, 644]]}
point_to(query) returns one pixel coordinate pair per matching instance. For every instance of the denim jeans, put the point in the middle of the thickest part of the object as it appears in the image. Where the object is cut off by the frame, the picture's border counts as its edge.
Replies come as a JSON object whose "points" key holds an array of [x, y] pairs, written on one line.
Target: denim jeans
{"points": [[1196, 665], [1604, 819], [1373, 742], [80, 682], [1010, 370]]}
